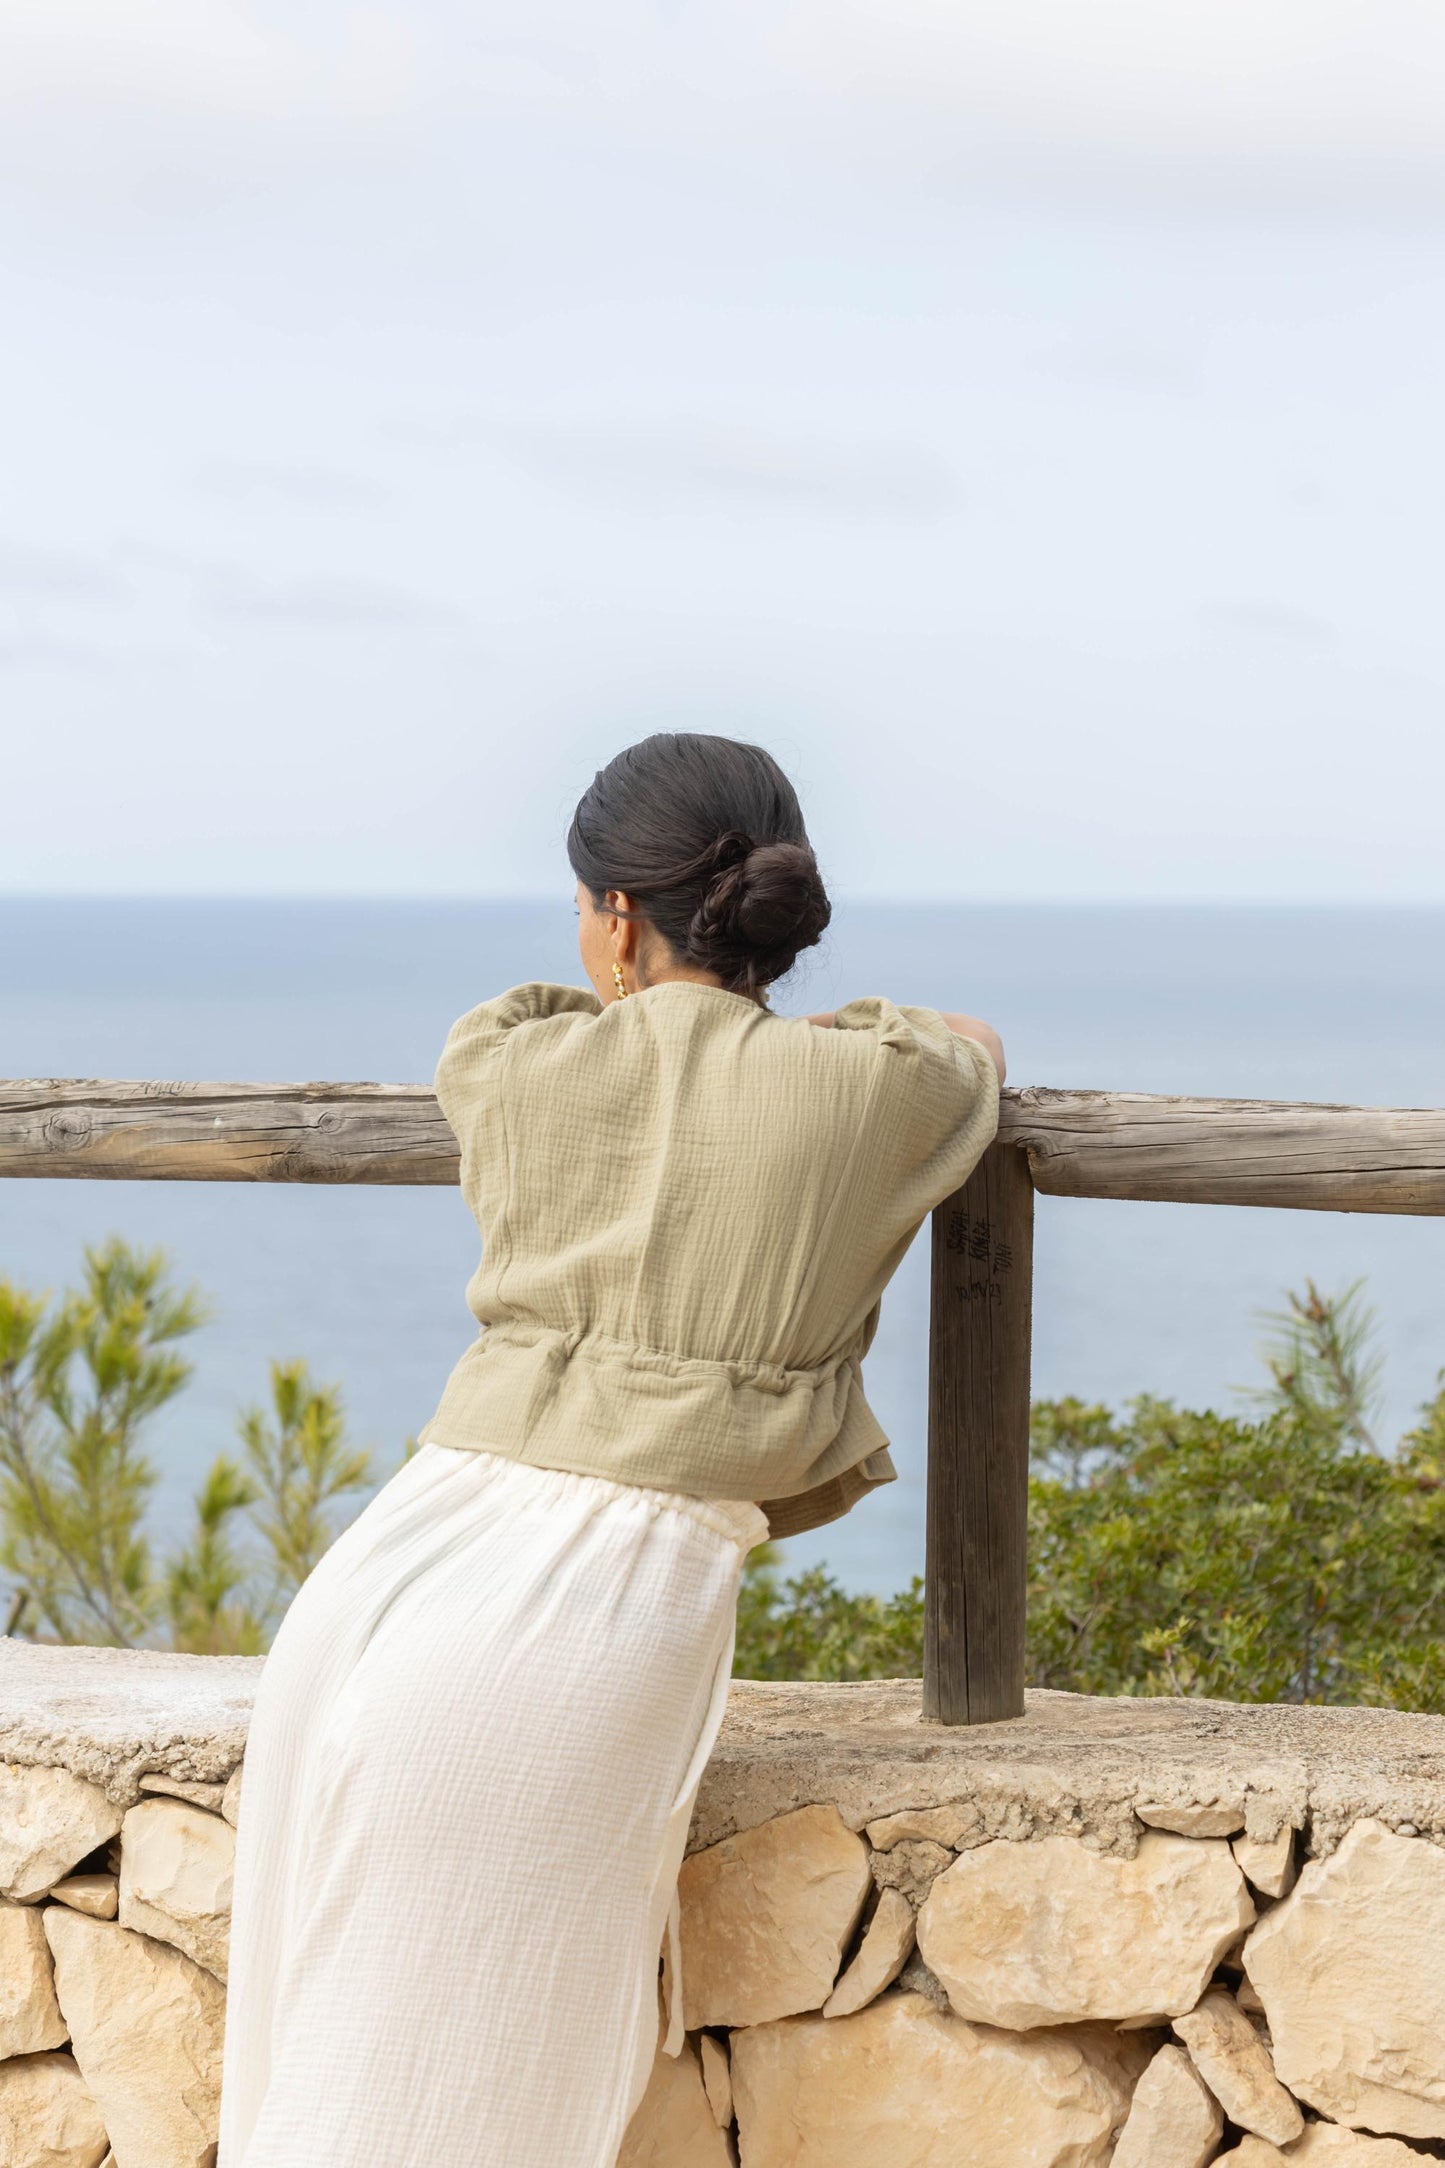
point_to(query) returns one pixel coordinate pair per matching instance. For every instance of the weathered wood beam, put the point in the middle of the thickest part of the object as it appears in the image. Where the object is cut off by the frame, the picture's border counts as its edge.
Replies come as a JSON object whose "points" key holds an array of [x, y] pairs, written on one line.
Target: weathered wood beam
{"points": [[1079, 1144], [1230, 1151], [980, 1330], [225, 1132]]}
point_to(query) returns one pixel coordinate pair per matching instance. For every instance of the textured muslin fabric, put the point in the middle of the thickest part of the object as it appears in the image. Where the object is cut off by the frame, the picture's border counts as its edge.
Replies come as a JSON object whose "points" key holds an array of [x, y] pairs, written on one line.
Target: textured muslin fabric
{"points": [[472, 1762], [690, 1207]]}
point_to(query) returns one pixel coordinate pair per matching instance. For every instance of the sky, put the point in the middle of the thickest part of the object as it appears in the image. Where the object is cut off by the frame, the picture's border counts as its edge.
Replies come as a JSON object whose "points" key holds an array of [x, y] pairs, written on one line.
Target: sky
{"points": [[1021, 417]]}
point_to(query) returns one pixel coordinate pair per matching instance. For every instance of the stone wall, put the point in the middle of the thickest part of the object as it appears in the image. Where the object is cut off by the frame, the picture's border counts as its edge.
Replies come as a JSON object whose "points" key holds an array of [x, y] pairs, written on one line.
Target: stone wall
{"points": [[1156, 1934]]}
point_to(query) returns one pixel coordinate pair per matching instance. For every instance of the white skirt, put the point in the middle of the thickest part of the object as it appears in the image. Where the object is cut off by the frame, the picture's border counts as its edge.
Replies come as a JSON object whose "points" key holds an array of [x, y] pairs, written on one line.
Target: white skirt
{"points": [[472, 1763]]}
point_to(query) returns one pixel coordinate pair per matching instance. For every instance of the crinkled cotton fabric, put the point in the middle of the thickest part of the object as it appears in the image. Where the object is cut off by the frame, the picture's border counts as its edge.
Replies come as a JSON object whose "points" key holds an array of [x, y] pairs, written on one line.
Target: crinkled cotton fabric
{"points": [[472, 1763], [690, 1207]]}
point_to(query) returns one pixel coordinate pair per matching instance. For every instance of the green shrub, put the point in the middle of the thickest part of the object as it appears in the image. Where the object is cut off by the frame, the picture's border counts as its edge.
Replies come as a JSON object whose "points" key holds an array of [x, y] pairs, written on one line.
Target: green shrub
{"points": [[79, 1379], [1279, 1555]]}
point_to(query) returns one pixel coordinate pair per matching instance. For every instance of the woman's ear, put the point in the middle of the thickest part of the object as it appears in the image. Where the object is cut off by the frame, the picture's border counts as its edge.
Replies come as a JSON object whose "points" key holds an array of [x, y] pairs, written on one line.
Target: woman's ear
{"points": [[621, 932]]}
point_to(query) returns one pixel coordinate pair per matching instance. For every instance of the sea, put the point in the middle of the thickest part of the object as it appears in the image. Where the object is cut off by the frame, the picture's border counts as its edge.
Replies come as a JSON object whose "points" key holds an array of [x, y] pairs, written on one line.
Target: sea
{"points": [[366, 1285]]}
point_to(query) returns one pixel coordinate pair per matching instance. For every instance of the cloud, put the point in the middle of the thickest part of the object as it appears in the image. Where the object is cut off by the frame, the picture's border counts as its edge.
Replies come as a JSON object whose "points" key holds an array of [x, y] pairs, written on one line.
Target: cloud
{"points": [[40, 574], [323, 602], [322, 489], [199, 58], [1270, 621], [1269, 76], [660, 465], [32, 652]]}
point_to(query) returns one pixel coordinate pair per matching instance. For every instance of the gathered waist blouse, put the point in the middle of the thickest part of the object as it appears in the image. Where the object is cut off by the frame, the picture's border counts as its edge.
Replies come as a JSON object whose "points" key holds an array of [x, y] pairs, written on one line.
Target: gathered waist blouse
{"points": [[689, 1208]]}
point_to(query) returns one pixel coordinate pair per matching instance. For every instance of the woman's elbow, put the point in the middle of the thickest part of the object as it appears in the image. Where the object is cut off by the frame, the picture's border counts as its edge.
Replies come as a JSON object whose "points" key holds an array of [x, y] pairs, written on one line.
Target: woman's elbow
{"points": [[973, 1027]]}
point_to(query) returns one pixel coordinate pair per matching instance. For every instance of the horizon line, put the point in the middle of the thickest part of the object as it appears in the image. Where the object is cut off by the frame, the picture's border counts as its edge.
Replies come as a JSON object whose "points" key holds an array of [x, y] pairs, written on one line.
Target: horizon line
{"points": [[849, 899]]}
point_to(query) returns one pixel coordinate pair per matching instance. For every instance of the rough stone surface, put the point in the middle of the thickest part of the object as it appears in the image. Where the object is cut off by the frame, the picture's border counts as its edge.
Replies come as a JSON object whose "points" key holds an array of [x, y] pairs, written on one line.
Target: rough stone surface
{"points": [[1351, 1971], [765, 1918], [1269, 1866], [1174, 2119], [1071, 1763], [97, 1894], [47, 2116], [847, 2094], [231, 1796], [1325, 2145], [112, 1715], [1193, 1820], [912, 1866], [49, 1820], [1234, 2063], [674, 2126], [146, 2024], [176, 1864], [199, 1795], [717, 2078], [1054, 1933], [918, 1980], [953, 1826], [30, 2016], [882, 1955]]}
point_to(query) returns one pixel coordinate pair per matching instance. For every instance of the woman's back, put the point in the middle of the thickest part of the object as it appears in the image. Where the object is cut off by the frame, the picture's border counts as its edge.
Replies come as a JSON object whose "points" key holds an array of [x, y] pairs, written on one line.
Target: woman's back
{"points": [[689, 1208]]}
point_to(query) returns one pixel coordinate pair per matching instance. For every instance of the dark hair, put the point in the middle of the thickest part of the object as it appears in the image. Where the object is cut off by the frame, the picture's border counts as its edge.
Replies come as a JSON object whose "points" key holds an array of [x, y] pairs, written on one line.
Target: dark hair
{"points": [[707, 835]]}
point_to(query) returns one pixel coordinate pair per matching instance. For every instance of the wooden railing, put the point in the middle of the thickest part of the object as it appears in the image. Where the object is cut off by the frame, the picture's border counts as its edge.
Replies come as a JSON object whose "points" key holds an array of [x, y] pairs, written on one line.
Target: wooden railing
{"points": [[1065, 1144]]}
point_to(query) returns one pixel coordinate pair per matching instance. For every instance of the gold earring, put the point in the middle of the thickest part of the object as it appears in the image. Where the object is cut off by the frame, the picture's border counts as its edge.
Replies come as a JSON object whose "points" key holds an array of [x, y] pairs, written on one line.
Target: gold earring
{"points": [[617, 978]]}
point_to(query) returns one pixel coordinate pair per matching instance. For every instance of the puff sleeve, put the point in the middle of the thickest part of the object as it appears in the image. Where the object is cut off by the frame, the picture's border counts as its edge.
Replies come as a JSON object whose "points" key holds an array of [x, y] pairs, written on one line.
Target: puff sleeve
{"points": [[933, 1105], [468, 1069]]}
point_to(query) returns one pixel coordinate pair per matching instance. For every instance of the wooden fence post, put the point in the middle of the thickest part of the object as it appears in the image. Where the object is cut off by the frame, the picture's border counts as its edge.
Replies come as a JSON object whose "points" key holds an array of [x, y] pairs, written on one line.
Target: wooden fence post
{"points": [[980, 1327]]}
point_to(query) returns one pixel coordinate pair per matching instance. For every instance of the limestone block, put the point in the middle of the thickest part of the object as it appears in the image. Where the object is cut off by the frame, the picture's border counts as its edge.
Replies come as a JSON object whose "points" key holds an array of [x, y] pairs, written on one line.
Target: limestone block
{"points": [[176, 1865], [47, 2116], [902, 2085], [951, 1826], [1325, 2145], [97, 1894], [1186, 1819], [1351, 1971], [674, 2125], [913, 1865], [49, 1820], [882, 1955], [765, 1917], [1174, 2119], [231, 1795], [199, 1795], [1054, 1932], [717, 2078], [1269, 1866], [1234, 2063], [146, 2025], [30, 2016]]}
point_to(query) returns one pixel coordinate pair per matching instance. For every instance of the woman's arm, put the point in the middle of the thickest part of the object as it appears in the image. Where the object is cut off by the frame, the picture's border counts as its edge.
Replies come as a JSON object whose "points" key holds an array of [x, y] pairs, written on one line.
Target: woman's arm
{"points": [[967, 1027], [974, 1027]]}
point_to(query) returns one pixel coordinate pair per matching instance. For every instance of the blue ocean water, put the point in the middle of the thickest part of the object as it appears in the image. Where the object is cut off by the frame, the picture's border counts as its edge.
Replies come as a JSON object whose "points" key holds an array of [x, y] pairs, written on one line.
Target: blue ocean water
{"points": [[367, 1284]]}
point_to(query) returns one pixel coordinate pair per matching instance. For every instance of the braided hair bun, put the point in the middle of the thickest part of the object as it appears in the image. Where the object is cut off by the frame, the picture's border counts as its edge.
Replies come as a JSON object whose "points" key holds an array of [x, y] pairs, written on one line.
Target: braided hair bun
{"points": [[762, 904], [707, 834]]}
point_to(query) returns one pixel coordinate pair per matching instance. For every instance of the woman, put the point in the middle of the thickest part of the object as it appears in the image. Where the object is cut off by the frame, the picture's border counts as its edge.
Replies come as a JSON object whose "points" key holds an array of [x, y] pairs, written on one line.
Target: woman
{"points": [[478, 1736]]}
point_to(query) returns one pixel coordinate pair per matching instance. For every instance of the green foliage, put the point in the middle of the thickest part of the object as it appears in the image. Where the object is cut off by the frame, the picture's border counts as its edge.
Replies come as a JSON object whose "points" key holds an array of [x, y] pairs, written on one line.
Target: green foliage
{"points": [[1274, 1557], [78, 1381], [1280, 1559], [810, 1628], [1278, 1555]]}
